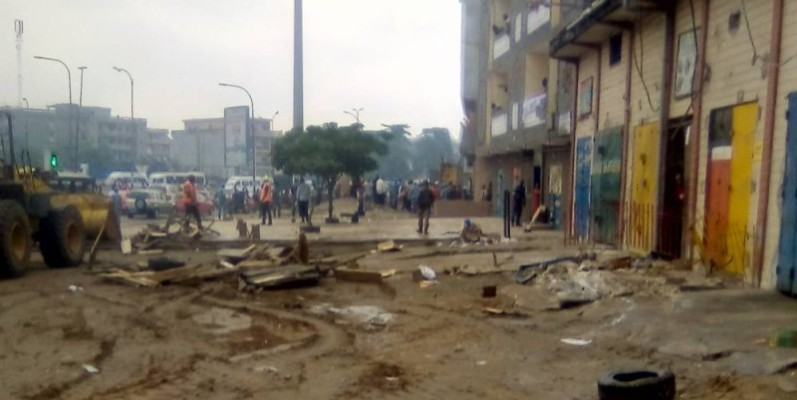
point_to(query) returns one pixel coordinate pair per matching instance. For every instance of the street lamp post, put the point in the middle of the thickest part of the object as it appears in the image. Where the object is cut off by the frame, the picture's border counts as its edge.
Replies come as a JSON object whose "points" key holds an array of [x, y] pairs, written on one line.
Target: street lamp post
{"points": [[252, 127], [355, 112], [69, 82], [132, 102], [68, 73]]}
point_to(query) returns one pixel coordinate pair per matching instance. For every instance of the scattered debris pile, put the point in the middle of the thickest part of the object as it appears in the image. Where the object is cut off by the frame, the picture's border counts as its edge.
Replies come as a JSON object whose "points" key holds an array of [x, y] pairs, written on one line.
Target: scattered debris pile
{"points": [[154, 236], [258, 267]]}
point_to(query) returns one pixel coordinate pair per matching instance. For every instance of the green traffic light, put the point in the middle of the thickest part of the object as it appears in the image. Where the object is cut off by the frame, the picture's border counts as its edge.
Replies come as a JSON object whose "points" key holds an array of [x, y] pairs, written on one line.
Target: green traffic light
{"points": [[53, 161]]}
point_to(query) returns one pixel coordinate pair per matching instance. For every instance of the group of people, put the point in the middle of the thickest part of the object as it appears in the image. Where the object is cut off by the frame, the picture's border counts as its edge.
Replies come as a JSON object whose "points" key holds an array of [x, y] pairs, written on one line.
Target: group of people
{"points": [[268, 199], [299, 197]]}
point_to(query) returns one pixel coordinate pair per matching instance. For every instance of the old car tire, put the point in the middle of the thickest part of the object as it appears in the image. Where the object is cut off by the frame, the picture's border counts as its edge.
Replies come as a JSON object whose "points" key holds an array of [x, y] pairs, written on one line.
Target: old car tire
{"points": [[648, 384], [15, 239], [141, 205], [62, 238]]}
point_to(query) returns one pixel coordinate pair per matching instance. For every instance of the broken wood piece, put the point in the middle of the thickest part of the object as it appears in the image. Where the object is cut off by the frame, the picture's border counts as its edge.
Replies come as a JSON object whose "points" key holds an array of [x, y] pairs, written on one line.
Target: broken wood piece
{"points": [[501, 312], [426, 284], [254, 264], [127, 246], [227, 264], [276, 277], [150, 252], [235, 255], [157, 235], [388, 246], [359, 276], [121, 276], [93, 252]]}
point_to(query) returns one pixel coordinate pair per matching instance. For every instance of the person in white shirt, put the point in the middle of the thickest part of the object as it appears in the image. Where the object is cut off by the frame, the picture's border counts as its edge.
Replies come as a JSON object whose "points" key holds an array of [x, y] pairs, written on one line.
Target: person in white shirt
{"points": [[381, 191], [303, 195]]}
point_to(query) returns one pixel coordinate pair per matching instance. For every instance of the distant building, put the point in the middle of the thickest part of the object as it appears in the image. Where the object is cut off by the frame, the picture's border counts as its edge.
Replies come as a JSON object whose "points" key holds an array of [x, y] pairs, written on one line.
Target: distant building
{"points": [[54, 129], [199, 145], [159, 144]]}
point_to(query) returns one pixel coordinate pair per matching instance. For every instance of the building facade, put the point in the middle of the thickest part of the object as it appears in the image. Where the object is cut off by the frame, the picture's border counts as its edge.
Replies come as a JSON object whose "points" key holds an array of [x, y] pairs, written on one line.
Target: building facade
{"points": [[221, 147], [159, 145], [515, 100], [682, 139], [55, 129]]}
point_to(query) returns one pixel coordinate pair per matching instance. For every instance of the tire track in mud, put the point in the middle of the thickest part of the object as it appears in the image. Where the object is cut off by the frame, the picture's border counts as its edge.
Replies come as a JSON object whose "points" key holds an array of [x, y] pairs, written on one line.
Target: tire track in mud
{"points": [[223, 377], [57, 390], [328, 337]]}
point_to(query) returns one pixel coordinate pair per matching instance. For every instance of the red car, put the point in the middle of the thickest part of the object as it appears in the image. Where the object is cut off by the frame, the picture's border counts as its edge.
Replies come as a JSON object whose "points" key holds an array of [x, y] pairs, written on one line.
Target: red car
{"points": [[205, 203]]}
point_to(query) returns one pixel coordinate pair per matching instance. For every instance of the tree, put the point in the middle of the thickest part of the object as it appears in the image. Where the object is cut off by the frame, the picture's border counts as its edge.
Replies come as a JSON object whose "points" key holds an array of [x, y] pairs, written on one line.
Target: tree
{"points": [[432, 146], [327, 152], [397, 163]]}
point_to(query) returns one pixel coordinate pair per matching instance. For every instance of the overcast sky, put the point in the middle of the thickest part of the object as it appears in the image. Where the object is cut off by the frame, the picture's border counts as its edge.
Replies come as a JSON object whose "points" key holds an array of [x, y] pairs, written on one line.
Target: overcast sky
{"points": [[398, 59]]}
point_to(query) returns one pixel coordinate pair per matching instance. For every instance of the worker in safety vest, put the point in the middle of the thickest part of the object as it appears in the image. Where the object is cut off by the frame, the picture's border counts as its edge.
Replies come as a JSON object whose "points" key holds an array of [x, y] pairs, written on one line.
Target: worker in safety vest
{"points": [[190, 201], [266, 195]]}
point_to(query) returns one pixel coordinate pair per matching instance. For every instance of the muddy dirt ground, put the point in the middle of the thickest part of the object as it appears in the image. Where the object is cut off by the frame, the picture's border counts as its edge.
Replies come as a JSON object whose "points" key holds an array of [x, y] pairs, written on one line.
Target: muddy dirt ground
{"points": [[398, 340]]}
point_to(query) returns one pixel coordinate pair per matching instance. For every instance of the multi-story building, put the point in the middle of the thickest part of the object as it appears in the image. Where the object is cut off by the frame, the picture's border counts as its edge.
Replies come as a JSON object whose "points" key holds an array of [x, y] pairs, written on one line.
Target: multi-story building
{"points": [[159, 144], [222, 147], [42, 131], [680, 131], [516, 101]]}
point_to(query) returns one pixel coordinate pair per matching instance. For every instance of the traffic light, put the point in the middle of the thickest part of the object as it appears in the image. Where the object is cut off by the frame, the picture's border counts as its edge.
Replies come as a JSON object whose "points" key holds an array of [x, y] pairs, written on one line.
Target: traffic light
{"points": [[53, 160]]}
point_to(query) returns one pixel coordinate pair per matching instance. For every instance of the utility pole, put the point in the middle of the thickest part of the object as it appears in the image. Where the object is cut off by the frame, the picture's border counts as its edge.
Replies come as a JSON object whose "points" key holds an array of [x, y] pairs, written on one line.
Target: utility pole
{"points": [[298, 67]]}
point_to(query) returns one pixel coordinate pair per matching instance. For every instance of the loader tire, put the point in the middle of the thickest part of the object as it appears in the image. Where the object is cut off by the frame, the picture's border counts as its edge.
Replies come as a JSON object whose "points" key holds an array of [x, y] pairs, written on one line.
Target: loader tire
{"points": [[15, 239], [62, 238]]}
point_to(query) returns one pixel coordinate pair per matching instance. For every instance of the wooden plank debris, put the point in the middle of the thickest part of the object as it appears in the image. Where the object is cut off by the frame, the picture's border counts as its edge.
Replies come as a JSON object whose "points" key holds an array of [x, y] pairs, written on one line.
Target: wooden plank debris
{"points": [[388, 246]]}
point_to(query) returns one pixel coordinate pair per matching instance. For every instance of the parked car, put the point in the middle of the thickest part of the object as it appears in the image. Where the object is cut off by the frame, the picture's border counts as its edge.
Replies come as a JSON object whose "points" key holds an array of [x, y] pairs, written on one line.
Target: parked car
{"points": [[150, 202], [205, 203]]}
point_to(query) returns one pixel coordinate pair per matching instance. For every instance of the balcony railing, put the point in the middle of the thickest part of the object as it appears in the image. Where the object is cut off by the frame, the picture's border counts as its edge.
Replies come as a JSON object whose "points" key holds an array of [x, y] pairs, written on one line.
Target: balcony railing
{"points": [[537, 18], [500, 45], [535, 108], [499, 125]]}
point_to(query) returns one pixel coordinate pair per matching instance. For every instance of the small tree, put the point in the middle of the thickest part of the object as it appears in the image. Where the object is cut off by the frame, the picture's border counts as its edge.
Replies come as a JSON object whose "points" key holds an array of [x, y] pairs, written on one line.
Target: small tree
{"points": [[328, 151]]}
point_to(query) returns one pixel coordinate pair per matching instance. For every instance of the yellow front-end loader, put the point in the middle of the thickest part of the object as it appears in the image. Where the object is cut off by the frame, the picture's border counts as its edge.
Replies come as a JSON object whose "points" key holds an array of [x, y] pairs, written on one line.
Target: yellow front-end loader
{"points": [[33, 210]]}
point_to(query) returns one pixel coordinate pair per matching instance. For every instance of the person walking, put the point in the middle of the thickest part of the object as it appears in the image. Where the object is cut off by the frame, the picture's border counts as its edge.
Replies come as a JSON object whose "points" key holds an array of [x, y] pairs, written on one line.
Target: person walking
{"points": [[425, 202], [404, 196], [266, 197], [519, 203], [220, 202], [190, 201], [304, 193], [361, 199]]}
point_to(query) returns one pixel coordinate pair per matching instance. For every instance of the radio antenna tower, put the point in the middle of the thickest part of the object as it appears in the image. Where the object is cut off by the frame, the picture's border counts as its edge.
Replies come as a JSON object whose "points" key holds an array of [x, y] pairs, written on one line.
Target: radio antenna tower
{"points": [[19, 28]]}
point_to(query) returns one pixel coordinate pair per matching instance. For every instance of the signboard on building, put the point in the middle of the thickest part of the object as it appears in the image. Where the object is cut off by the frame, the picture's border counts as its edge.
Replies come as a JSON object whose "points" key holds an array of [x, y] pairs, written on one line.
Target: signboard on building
{"points": [[685, 63], [534, 110], [236, 138], [585, 97], [564, 122]]}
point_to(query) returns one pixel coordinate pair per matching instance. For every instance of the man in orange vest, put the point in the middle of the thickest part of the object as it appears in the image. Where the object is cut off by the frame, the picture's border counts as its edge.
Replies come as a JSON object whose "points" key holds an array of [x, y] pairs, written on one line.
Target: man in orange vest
{"points": [[266, 195], [190, 201]]}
